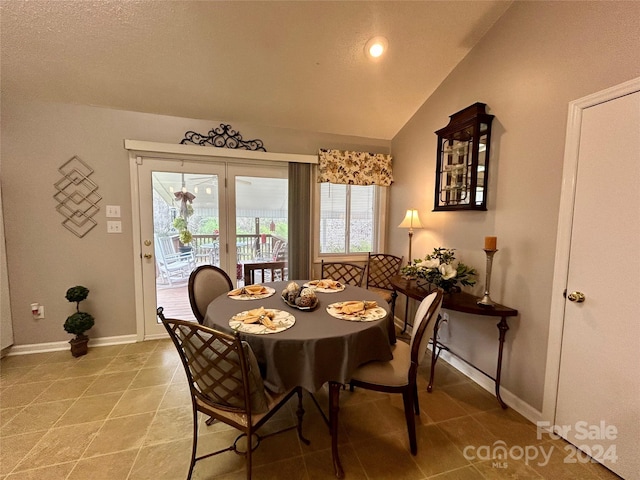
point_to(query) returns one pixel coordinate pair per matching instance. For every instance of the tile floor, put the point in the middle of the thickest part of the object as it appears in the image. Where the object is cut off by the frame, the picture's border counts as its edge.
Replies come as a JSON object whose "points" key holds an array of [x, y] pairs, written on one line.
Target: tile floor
{"points": [[123, 412]]}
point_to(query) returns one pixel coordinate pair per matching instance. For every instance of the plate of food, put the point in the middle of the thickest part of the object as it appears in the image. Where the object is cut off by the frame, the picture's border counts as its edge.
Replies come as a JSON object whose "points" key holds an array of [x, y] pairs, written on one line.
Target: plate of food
{"points": [[357, 311], [262, 321], [251, 292], [326, 285]]}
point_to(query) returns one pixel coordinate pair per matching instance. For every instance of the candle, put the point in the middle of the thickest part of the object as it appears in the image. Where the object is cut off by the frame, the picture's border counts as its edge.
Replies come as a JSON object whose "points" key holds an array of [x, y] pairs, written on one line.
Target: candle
{"points": [[490, 243]]}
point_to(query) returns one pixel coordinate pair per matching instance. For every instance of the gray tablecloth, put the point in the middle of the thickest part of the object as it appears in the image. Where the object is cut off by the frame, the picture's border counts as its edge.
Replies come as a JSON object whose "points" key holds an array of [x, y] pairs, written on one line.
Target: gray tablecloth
{"points": [[318, 348]]}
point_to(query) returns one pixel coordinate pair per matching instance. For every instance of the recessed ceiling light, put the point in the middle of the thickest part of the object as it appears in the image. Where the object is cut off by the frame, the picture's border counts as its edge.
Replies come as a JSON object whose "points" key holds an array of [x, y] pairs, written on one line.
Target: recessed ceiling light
{"points": [[376, 47]]}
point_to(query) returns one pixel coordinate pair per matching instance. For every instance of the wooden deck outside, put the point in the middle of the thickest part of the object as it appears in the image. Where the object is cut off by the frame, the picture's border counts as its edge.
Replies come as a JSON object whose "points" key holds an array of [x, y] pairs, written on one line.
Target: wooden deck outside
{"points": [[175, 301]]}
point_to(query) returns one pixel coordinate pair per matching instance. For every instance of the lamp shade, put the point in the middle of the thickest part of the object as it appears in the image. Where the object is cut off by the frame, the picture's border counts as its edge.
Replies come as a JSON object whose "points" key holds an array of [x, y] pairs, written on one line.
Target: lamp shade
{"points": [[411, 220]]}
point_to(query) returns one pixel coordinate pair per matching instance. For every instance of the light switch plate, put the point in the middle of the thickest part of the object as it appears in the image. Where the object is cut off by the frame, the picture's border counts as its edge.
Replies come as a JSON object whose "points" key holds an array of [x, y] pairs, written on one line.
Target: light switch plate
{"points": [[113, 211]]}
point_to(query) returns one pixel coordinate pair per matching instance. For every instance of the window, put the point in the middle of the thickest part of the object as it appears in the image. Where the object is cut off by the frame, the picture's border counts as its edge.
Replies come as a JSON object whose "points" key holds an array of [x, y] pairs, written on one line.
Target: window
{"points": [[349, 219]]}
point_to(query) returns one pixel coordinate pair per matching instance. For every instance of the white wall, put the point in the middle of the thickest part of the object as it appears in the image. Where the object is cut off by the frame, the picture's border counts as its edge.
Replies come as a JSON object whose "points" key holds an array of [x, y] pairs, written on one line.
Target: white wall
{"points": [[44, 258], [536, 59]]}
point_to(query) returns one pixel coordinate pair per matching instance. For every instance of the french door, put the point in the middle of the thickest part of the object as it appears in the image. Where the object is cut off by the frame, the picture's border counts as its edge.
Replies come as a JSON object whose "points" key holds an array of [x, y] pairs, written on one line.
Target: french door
{"points": [[233, 213], [170, 190]]}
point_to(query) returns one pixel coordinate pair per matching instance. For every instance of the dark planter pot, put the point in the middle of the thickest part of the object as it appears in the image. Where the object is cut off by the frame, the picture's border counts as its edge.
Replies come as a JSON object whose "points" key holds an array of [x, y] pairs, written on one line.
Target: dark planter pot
{"points": [[185, 249], [79, 345]]}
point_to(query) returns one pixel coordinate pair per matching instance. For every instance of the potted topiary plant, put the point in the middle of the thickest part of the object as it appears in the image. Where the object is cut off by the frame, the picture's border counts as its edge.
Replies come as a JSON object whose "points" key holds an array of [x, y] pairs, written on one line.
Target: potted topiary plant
{"points": [[79, 322]]}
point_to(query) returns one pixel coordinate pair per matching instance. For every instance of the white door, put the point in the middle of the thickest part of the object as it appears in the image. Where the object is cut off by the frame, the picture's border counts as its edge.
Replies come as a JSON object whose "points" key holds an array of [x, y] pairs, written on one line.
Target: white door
{"points": [[598, 395], [166, 261]]}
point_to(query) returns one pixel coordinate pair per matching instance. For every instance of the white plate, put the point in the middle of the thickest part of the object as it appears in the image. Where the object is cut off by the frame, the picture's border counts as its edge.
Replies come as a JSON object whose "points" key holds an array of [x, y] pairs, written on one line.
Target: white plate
{"points": [[283, 320], [369, 315], [247, 296], [324, 290]]}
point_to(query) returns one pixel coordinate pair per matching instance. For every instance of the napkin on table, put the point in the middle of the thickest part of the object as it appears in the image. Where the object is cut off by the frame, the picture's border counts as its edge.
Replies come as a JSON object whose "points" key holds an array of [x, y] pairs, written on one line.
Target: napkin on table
{"points": [[353, 307], [258, 315], [248, 290], [326, 283]]}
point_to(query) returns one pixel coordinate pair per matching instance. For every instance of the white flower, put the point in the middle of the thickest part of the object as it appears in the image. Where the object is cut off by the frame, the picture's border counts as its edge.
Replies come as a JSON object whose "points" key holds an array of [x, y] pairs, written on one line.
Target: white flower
{"points": [[433, 263], [448, 271]]}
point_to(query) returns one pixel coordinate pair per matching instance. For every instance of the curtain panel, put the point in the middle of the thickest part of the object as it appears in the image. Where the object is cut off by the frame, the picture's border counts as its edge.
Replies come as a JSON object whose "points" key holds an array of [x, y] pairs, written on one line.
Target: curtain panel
{"points": [[300, 182], [354, 168]]}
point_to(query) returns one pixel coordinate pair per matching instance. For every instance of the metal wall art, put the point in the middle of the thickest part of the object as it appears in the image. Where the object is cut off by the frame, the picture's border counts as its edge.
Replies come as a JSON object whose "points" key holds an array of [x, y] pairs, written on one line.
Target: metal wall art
{"points": [[224, 137], [77, 197]]}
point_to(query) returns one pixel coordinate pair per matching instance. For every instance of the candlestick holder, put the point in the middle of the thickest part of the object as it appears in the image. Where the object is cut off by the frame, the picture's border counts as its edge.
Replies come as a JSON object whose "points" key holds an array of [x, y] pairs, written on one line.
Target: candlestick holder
{"points": [[486, 299]]}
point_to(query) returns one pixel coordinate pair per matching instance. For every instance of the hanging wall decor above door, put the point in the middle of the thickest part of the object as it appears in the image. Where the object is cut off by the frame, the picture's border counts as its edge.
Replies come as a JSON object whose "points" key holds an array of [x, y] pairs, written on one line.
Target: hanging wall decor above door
{"points": [[223, 137]]}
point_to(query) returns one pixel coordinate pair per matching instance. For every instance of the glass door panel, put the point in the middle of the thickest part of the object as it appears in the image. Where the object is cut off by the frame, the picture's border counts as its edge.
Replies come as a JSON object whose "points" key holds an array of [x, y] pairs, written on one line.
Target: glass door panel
{"points": [[182, 227], [261, 222]]}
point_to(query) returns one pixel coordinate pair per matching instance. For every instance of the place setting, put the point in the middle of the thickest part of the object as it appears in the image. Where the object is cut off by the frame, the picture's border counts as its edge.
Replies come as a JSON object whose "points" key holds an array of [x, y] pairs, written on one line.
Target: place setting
{"points": [[262, 321], [326, 285], [357, 311], [251, 292]]}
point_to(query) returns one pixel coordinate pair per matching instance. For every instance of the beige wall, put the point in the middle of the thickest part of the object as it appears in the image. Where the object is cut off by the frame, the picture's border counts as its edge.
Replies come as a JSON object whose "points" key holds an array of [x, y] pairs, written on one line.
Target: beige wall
{"points": [[538, 57], [44, 258]]}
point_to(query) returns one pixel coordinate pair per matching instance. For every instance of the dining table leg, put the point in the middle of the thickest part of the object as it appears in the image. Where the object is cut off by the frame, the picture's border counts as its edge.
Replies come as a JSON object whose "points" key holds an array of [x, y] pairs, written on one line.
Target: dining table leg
{"points": [[334, 407]]}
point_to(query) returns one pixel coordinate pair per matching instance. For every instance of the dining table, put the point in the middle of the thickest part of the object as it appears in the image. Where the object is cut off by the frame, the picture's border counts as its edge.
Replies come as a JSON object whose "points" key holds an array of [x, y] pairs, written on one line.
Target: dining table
{"points": [[315, 348]]}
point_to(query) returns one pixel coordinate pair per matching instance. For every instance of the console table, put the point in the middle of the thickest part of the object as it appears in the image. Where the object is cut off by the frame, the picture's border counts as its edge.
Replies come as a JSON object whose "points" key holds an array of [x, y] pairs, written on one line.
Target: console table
{"points": [[458, 302]]}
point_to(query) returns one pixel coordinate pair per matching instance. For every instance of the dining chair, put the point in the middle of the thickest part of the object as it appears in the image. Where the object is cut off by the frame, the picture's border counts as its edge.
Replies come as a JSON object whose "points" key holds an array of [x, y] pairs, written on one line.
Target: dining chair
{"points": [[399, 374], [345, 272], [225, 383], [269, 272], [380, 268], [206, 283]]}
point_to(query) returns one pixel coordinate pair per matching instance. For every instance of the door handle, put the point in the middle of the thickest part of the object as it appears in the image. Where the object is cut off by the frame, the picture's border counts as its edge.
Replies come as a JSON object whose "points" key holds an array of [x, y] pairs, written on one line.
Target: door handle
{"points": [[147, 256], [577, 297]]}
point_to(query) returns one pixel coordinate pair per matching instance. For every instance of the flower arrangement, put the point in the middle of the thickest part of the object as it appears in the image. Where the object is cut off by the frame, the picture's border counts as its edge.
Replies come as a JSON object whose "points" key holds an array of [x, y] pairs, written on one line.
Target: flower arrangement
{"points": [[438, 269]]}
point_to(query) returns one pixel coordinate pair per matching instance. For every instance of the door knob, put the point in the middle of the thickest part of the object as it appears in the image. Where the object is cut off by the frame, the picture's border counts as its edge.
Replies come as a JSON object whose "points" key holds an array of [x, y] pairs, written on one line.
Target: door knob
{"points": [[147, 256], [576, 297]]}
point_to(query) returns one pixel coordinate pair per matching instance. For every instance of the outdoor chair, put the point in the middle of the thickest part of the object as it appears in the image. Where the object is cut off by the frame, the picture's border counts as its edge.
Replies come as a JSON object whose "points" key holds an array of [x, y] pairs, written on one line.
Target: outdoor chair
{"points": [[225, 383], [206, 283], [399, 374], [347, 273], [173, 265]]}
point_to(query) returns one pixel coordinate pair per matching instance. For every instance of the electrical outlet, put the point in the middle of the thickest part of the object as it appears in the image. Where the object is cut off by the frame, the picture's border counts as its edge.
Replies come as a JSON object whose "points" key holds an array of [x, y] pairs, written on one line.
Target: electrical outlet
{"points": [[40, 312], [443, 327], [114, 226]]}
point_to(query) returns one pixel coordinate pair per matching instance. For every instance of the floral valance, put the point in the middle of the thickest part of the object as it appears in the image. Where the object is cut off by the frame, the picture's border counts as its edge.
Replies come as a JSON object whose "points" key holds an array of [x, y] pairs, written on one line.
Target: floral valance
{"points": [[354, 168]]}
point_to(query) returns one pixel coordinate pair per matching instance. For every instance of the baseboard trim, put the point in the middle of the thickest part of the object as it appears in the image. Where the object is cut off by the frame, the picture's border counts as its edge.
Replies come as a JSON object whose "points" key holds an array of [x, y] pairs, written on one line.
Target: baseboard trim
{"points": [[513, 401], [57, 346]]}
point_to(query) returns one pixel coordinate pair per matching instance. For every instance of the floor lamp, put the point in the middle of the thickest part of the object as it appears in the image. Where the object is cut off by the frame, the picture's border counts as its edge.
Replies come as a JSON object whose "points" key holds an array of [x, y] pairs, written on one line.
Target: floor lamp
{"points": [[411, 221]]}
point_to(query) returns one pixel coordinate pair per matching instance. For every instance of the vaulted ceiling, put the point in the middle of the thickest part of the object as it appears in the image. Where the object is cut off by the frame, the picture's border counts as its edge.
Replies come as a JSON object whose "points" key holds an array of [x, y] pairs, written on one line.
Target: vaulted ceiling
{"points": [[298, 64]]}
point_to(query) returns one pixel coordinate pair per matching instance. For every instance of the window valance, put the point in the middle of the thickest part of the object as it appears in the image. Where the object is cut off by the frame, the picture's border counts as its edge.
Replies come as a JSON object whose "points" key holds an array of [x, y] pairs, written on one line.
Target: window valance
{"points": [[354, 168]]}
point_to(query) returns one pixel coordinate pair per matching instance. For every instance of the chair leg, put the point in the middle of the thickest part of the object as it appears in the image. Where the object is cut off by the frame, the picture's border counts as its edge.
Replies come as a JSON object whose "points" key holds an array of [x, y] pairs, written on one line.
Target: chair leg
{"points": [[194, 444], [248, 456], [407, 398], [300, 415], [416, 403]]}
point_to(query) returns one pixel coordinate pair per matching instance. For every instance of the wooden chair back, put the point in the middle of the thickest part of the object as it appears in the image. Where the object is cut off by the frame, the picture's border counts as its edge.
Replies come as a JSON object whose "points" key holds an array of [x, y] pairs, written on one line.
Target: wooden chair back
{"points": [[268, 272]]}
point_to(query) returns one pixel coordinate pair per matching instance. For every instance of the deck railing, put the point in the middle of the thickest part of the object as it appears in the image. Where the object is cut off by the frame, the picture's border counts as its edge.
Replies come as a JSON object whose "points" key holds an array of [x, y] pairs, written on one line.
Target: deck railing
{"points": [[248, 246]]}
